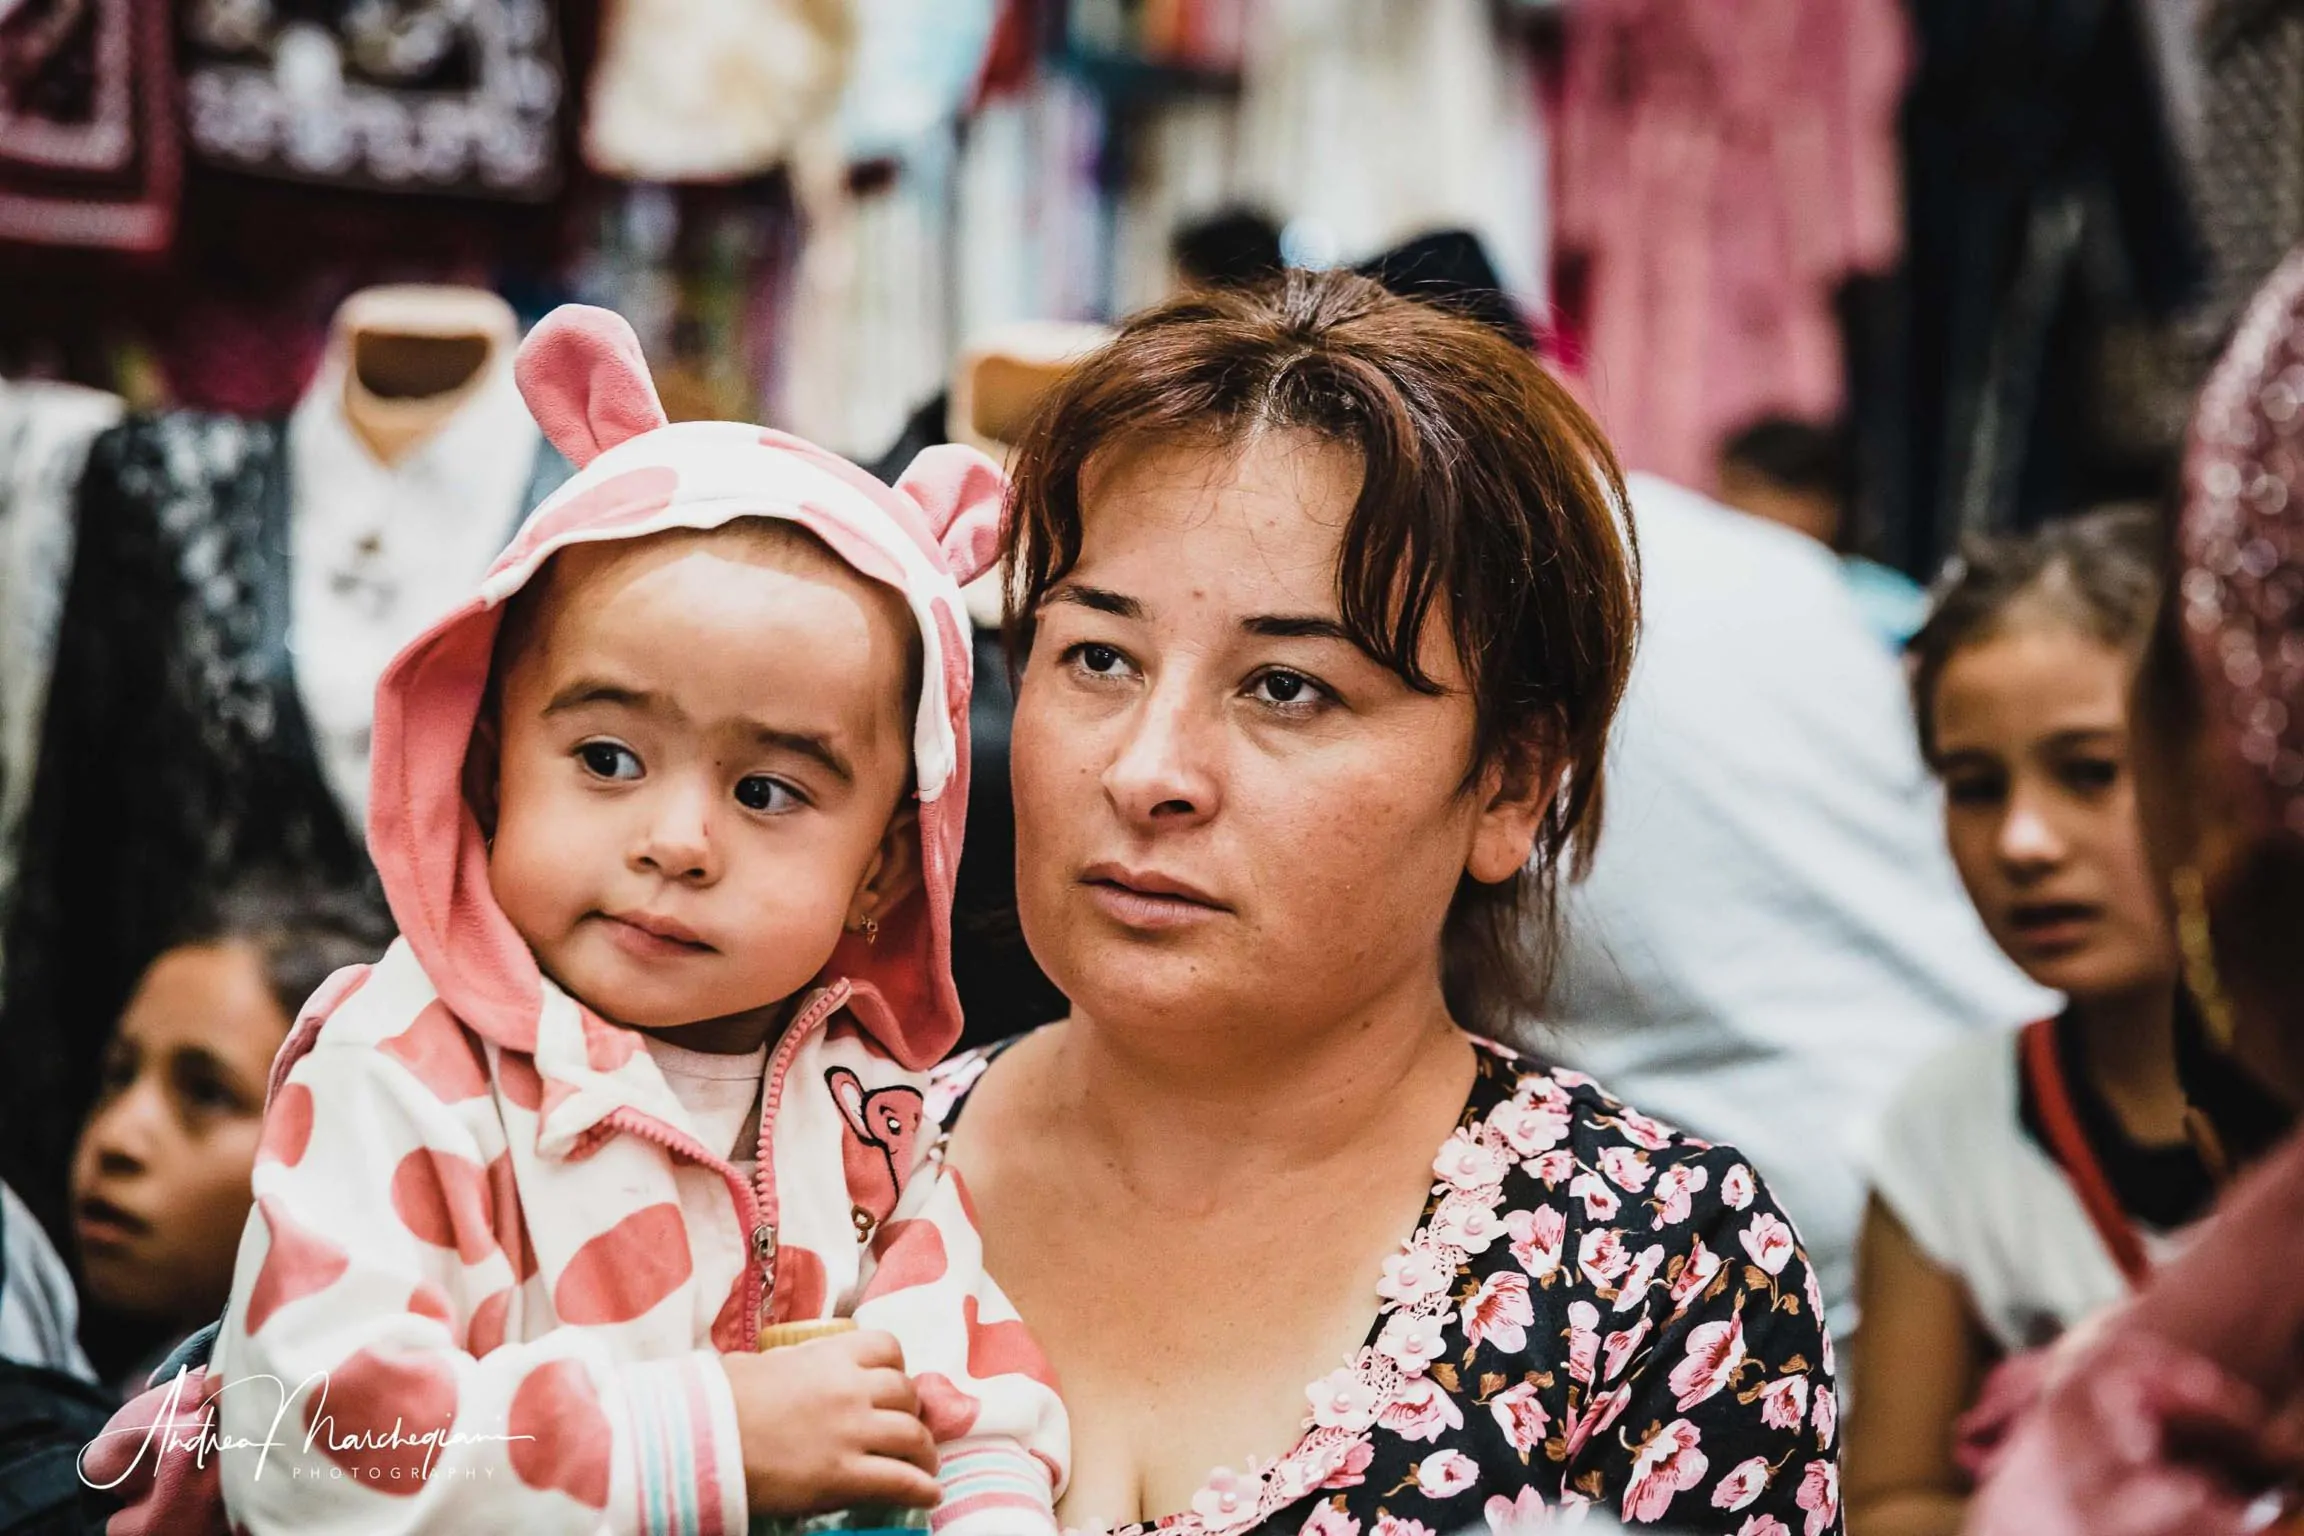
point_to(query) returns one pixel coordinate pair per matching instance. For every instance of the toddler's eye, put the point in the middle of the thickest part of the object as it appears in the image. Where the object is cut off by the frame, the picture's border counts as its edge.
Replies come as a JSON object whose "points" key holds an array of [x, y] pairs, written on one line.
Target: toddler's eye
{"points": [[758, 792], [609, 760]]}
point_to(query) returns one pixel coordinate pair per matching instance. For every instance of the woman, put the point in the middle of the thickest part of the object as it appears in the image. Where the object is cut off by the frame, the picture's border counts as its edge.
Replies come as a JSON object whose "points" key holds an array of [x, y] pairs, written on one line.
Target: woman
{"points": [[2187, 1418], [1323, 603]]}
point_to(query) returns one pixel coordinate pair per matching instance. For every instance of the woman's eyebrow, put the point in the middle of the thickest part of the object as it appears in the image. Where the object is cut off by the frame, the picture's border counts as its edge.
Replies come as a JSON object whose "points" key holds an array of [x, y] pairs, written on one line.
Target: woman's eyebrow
{"points": [[1297, 626], [1100, 599]]}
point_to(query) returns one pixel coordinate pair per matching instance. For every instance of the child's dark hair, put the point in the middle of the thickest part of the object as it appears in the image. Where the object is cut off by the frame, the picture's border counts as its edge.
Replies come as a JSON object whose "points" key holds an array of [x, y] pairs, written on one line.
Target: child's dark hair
{"points": [[2098, 573], [1798, 455], [301, 931]]}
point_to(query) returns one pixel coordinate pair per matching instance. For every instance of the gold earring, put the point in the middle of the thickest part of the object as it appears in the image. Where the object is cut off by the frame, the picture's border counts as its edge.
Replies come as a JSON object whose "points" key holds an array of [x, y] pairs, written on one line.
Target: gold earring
{"points": [[2196, 947], [870, 928]]}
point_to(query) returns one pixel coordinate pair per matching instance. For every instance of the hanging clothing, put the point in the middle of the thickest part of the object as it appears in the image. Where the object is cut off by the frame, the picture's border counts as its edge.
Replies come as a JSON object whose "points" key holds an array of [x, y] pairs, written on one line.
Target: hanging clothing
{"points": [[2045, 206], [177, 752], [2251, 173], [1723, 170], [713, 90], [88, 150], [378, 551], [45, 432], [441, 96]]}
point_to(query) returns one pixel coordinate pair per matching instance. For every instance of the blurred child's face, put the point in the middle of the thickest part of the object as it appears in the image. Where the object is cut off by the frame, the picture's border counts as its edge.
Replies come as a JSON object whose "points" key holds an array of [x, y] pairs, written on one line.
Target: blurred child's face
{"points": [[702, 745], [160, 1179], [2032, 742]]}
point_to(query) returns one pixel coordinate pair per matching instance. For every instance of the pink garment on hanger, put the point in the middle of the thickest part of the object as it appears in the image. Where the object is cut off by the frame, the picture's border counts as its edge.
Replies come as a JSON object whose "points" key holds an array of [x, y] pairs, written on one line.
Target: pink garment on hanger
{"points": [[1722, 170]]}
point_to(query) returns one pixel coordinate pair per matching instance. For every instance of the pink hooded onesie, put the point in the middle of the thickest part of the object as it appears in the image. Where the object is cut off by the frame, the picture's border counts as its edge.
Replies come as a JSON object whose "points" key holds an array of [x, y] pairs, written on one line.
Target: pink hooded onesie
{"points": [[469, 1224]]}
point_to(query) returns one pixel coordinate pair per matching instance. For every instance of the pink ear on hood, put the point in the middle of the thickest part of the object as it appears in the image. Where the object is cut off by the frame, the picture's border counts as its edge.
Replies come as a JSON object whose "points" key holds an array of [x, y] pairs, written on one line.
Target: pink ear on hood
{"points": [[586, 382], [961, 493]]}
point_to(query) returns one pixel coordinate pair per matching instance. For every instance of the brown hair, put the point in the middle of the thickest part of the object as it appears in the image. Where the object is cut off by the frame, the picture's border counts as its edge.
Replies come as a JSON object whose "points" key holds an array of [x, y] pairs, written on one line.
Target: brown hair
{"points": [[1488, 499], [2098, 573], [302, 930]]}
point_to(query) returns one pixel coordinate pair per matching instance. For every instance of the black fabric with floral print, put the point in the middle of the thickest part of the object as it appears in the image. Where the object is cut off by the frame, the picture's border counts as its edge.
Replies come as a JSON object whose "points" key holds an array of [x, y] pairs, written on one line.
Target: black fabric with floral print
{"points": [[1596, 1312]]}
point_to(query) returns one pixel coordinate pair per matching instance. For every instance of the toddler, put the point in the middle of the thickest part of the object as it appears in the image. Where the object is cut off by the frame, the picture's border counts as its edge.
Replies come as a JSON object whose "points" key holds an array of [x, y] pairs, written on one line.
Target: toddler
{"points": [[668, 816]]}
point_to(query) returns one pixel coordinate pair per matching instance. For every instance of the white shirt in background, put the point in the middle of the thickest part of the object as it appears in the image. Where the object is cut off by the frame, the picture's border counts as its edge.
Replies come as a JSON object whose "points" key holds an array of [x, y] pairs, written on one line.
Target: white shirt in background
{"points": [[1772, 937]]}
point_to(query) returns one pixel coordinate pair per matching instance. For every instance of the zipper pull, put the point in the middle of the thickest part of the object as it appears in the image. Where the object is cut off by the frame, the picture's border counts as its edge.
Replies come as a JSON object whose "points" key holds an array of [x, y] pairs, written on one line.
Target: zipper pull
{"points": [[763, 1244]]}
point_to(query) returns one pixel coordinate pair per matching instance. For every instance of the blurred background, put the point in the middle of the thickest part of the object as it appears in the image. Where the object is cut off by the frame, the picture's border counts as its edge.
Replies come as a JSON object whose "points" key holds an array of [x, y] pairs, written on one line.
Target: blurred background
{"points": [[1887, 272]]}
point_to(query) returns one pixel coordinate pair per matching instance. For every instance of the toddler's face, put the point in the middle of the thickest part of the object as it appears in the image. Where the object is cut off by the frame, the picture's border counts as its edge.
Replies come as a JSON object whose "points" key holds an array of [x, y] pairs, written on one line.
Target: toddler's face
{"points": [[160, 1180], [701, 748]]}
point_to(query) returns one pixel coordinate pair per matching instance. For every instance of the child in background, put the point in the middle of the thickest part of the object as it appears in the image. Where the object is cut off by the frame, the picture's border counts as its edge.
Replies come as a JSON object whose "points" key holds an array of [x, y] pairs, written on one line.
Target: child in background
{"points": [[669, 817], [2022, 1185], [160, 1177]]}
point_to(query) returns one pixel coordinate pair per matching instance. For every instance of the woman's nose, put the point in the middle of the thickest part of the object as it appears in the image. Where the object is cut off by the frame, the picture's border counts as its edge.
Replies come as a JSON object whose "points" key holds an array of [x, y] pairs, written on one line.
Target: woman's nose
{"points": [[1163, 774], [676, 842]]}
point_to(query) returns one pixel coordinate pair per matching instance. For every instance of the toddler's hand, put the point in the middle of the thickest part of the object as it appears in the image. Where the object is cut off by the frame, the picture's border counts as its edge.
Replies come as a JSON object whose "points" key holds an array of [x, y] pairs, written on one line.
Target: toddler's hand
{"points": [[831, 1424]]}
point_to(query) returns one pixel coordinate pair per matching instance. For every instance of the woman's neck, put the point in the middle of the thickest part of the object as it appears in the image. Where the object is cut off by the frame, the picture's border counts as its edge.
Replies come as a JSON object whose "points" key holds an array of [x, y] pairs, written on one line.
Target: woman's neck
{"points": [[1182, 1115], [2129, 1043]]}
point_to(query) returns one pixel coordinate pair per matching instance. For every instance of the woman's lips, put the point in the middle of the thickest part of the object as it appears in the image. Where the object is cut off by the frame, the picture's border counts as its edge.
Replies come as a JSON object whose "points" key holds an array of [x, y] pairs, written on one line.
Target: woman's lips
{"points": [[101, 1224], [1148, 899]]}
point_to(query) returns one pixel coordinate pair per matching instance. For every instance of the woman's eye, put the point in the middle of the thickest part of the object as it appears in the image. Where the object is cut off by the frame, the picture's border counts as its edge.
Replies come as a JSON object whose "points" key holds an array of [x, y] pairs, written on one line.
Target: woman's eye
{"points": [[1093, 660], [609, 760], [758, 792], [1285, 688]]}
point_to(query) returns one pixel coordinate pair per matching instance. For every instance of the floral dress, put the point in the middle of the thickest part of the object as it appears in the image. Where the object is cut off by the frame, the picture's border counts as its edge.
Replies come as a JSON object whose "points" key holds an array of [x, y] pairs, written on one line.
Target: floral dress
{"points": [[1596, 1312]]}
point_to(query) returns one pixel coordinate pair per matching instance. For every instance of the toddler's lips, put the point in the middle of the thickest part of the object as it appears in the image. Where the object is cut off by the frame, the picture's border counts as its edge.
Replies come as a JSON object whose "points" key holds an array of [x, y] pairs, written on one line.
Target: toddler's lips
{"points": [[649, 935]]}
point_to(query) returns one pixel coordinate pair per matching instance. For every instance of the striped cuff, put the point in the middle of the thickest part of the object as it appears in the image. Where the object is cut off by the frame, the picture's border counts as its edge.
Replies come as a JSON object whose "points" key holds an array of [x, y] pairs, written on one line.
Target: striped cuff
{"points": [[993, 1488], [684, 1455]]}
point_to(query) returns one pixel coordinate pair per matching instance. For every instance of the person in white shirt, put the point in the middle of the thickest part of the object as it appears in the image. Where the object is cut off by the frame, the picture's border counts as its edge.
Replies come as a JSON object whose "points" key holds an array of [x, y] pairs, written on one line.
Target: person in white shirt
{"points": [[1771, 936]]}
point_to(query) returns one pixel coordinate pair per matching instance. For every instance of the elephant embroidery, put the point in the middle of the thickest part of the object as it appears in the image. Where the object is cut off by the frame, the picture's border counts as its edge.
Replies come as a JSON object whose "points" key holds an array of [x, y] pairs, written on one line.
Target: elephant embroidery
{"points": [[876, 1154]]}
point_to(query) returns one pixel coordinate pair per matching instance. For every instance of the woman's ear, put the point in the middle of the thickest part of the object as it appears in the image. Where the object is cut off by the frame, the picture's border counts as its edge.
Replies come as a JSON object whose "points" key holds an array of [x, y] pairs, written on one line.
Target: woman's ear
{"points": [[894, 872], [484, 767], [1515, 794]]}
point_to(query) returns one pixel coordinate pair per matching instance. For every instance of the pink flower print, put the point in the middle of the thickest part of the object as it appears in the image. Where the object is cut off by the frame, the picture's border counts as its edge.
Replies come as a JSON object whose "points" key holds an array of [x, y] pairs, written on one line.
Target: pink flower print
{"points": [[1826, 1418], [1328, 1520], [1412, 1341], [1641, 1131], [1816, 1306], [1421, 1411], [1618, 1351], [1536, 1238], [1600, 1202], [1736, 1188], [1499, 1312], [1769, 1241], [1745, 1481], [1445, 1474], [1600, 1254], [1599, 1413], [1520, 1515], [1696, 1273], [1467, 1222], [1341, 1400], [1412, 1274], [1763, 1525], [1633, 1289], [1819, 1495], [1227, 1502], [1784, 1402], [1393, 1525], [1715, 1351], [1678, 1182], [1520, 1413], [1464, 1163], [1553, 1167], [1568, 1077], [1583, 1340], [1668, 1464], [1352, 1471], [1627, 1168], [1528, 1129]]}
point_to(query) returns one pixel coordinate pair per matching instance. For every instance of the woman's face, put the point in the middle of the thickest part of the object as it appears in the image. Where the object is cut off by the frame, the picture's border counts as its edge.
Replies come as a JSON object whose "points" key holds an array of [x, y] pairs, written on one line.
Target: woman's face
{"points": [[1225, 809], [2040, 806], [160, 1180]]}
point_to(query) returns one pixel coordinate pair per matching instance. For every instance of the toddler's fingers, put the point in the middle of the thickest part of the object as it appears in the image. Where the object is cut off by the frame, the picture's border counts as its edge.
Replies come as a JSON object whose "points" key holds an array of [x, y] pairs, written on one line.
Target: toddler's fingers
{"points": [[901, 1437], [892, 1389], [875, 1350], [885, 1480]]}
